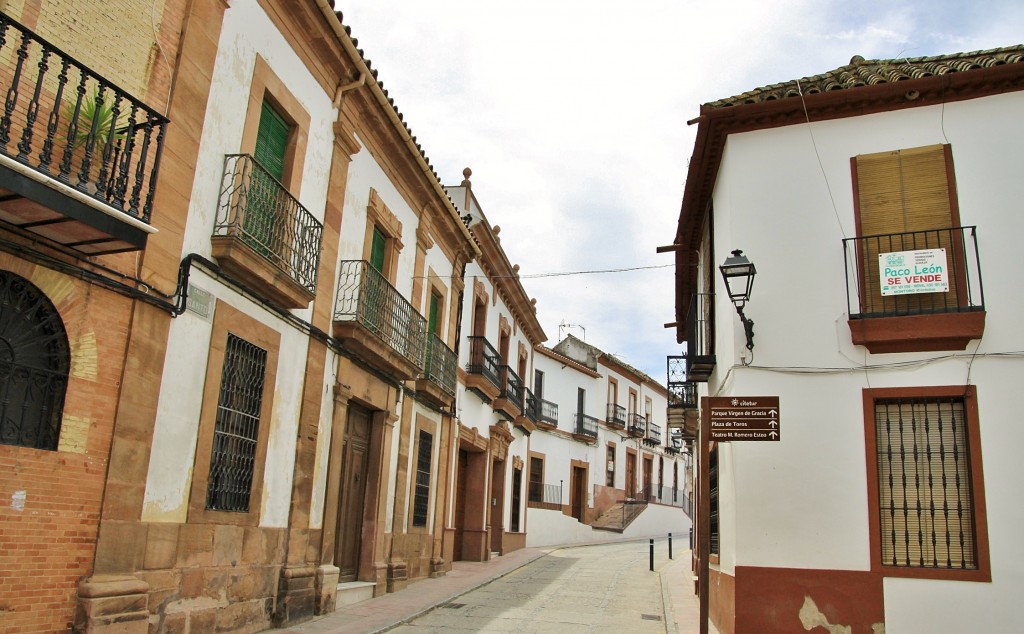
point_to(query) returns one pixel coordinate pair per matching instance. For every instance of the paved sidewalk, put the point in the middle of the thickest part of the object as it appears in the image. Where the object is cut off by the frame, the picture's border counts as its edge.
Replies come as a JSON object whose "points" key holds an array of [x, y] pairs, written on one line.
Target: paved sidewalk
{"points": [[420, 597]]}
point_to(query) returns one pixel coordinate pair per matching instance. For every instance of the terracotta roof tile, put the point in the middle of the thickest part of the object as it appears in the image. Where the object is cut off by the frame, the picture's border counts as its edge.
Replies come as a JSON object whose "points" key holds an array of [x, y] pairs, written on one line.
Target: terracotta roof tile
{"points": [[861, 72]]}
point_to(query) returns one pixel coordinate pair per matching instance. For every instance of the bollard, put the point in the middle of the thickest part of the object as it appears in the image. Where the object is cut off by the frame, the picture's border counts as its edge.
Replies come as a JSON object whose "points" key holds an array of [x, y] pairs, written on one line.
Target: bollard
{"points": [[670, 546], [652, 554]]}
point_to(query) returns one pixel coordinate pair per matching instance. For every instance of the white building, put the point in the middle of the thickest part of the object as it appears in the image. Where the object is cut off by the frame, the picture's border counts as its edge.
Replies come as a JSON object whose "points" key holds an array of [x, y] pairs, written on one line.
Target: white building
{"points": [[890, 499]]}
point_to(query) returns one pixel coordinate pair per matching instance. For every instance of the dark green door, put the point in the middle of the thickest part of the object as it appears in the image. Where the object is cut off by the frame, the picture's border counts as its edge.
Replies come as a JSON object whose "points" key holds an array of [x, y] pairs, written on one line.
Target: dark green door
{"points": [[263, 223]]}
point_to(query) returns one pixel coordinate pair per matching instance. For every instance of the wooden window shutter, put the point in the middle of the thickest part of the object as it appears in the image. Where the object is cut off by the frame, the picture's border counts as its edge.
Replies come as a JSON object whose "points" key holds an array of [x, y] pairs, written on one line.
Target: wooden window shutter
{"points": [[903, 190], [272, 141]]}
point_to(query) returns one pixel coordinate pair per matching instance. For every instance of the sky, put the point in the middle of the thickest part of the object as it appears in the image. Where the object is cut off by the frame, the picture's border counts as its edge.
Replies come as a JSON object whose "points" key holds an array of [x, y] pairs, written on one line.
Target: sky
{"points": [[573, 118]]}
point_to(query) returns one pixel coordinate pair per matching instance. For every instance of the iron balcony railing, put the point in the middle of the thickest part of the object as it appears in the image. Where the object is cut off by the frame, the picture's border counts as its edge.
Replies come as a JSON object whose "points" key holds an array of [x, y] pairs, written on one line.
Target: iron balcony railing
{"points": [[700, 347], [544, 494], [882, 280], [681, 392], [637, 424], [63, 120], [586, 425], [256, 207], [511, 385], [484, 360], [441, 366], [616, 416], [532, 405], [366, 297], [549, 412], [654, 433]]}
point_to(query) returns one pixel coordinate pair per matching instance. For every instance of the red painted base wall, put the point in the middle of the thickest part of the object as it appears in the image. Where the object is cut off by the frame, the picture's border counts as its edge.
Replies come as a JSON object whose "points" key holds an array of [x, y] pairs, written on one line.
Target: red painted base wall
{"points": [[786, 600]]}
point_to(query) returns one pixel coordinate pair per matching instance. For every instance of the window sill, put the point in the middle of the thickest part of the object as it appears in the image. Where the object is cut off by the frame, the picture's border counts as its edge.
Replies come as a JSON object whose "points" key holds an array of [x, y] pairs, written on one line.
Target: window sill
{"points": [[918, 333]]}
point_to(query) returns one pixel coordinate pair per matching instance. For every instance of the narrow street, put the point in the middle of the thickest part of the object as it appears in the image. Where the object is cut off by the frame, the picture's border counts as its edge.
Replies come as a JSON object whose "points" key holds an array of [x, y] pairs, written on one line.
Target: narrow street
{"points": [[593, 588]]}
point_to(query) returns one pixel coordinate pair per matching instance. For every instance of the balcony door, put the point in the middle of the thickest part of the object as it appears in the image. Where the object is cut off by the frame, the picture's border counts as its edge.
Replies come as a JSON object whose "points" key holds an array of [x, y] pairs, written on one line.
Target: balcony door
{"points": [[263, 204], [907, 198]]}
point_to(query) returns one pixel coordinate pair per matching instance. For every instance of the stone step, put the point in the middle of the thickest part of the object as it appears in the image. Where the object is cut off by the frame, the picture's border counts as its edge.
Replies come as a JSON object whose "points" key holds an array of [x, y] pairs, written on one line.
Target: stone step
{"points": [[353, 592]]}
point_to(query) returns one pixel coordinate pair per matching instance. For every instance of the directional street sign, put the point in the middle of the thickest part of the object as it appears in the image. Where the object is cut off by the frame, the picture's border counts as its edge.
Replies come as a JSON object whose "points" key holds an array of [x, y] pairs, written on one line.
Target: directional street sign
{"points": [[744, 418]]}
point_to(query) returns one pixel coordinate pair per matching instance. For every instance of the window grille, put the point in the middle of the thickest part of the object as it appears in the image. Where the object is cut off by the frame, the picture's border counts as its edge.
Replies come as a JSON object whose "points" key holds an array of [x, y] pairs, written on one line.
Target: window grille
{"points": [[421, 501], [34, 362], [236, 432], [924, 483]]}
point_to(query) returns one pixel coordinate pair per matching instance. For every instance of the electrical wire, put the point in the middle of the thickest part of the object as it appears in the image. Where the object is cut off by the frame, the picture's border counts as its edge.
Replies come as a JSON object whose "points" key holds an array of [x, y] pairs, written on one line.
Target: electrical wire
{"points": [[821, 166]]}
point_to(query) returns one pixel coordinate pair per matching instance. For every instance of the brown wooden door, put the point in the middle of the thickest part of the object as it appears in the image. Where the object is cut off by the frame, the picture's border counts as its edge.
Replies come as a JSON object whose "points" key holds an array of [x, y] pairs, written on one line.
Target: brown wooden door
{"points": [[460, 503], [648, 468], [630, 475], [579, 492], [497, 506], [355, 458]]}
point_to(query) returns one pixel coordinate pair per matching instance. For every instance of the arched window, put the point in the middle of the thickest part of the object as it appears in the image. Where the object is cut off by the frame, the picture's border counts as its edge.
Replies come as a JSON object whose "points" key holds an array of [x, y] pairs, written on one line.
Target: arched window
{"points": [[34, 362]]}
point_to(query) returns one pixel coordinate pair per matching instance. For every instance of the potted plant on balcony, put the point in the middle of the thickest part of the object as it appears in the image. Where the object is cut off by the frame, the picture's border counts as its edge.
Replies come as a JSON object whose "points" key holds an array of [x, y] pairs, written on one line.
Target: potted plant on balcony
{"points": [[96, 118]]}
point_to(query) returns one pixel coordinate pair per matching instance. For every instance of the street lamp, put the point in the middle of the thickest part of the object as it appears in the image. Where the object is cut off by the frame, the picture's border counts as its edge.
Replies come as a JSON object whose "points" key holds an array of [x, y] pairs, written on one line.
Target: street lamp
{"points": [[738, 273]]}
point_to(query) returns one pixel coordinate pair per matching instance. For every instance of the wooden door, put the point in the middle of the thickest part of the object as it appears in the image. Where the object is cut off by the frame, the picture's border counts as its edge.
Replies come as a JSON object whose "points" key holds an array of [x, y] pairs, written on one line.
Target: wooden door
{"points": [[648, 468], [630, 475], [460, 503], [579, 492], [497, 524], [355, 459]]}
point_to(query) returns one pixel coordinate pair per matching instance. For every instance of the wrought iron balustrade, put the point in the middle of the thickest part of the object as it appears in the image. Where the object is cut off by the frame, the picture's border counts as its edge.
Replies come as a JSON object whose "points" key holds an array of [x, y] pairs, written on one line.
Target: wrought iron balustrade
{"points": [[511, 385], [540, 494], [654, 433], [256, 207], [700, 350], [441, 365], [67, 122], [866, 280], [637, 424], [484, 360], [549, 412], [616, 416], [532, 406], [586, 425], [682, 393], [366, 297]]}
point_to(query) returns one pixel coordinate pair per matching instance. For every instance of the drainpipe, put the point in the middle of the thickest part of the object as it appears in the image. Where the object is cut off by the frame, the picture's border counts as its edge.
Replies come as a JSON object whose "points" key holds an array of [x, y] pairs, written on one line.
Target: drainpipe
{"points": [[339, 93]]}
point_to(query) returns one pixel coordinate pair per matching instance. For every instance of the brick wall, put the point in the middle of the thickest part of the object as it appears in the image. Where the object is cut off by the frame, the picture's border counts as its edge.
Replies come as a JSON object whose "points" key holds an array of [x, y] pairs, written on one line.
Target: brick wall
{"points": [[115, 38], [50, 500]]}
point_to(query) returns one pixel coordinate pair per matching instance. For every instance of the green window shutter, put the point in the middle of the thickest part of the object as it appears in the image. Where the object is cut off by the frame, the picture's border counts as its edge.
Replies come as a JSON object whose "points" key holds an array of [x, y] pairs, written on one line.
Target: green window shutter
{"points": [[435, 299], [271, 141], [377, 250]]}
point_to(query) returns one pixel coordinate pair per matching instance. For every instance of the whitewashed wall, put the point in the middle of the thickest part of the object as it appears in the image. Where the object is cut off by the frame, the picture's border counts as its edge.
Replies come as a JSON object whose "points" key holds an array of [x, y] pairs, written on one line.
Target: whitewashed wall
{"points": [[247, 32], [802, 502]]}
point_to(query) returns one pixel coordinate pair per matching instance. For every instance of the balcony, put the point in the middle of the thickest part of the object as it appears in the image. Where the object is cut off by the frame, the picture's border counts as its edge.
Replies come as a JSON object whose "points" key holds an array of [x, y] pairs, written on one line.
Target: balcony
{"points": [[439, 373], [616, 418], [700, 356], [636, 425], [79, 156], [585, 428], [527, 420], [263, 236], [544, 496], [510, 395], [483, 369], [374, 321], [548, 415], [681, 392], [653, 434], [931, 299]]}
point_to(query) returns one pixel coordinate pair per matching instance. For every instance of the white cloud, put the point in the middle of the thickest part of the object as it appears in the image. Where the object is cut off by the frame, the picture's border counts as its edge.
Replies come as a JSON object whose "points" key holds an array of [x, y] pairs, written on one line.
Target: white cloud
{"points": [[573, 115]]}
